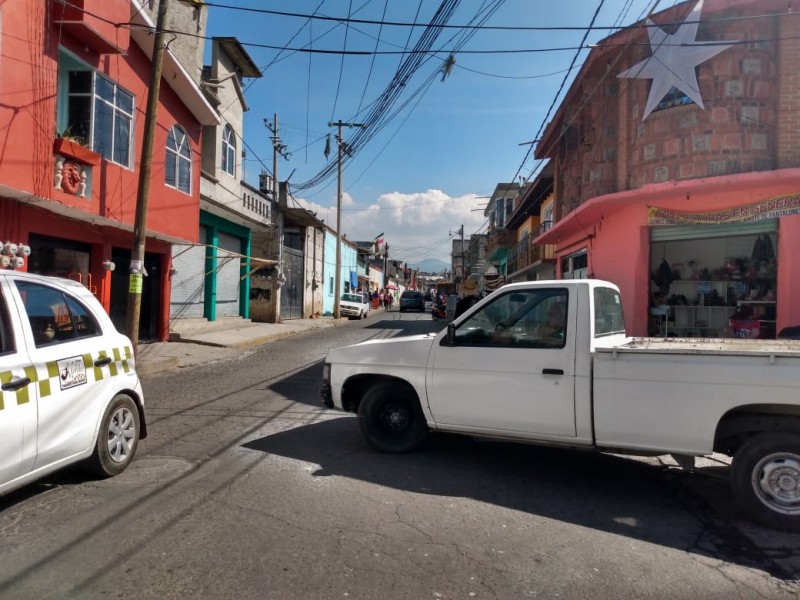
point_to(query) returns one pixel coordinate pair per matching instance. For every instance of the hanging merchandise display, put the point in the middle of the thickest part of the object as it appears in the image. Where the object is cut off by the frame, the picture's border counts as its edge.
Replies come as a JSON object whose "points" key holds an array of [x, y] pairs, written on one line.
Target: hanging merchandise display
{"points": [[714, 280]]}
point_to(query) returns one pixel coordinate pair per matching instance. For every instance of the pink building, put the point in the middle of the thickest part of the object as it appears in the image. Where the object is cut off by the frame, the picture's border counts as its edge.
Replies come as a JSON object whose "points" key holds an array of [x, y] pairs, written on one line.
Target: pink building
{"points": [[676, 161]]}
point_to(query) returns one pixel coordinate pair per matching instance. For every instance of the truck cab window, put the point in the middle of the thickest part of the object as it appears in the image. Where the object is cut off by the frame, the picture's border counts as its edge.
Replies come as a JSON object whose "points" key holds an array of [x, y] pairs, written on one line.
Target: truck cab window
{"points": [[521, 319], [608, 317]]}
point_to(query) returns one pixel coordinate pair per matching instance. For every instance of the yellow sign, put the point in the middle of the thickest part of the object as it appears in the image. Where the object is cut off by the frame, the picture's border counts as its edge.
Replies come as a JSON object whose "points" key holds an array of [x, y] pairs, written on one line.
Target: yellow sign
{"points": [[135, 284], [758, 211]]}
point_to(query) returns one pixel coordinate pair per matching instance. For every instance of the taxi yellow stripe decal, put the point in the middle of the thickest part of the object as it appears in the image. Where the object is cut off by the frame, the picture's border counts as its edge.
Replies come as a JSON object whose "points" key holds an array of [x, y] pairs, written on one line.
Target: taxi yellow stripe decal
{"points": [[47, 382], [5, 377], [44, 388], [98, 371], [52, 369]]}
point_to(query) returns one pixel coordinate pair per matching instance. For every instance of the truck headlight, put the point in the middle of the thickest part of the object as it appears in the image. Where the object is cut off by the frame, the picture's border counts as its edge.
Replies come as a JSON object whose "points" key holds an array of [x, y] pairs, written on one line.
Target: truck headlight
{"points": [[326, 372]]}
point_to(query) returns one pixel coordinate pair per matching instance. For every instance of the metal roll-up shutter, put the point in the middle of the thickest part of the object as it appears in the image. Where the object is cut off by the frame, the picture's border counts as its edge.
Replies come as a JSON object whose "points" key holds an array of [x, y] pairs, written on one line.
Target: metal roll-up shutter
{"points": [[188, 279], [670, 233], [229, 265]]}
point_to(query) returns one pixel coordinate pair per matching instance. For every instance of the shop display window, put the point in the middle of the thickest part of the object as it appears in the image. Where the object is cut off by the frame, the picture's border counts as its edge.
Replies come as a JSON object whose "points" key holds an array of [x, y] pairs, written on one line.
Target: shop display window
{"points": [[714, 287]]}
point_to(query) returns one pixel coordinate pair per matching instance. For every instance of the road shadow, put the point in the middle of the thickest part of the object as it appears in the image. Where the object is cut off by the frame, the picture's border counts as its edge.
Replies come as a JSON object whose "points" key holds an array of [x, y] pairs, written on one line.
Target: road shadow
{"points": [[302, 386], [677, 509], [69, 476], [408, 326]]}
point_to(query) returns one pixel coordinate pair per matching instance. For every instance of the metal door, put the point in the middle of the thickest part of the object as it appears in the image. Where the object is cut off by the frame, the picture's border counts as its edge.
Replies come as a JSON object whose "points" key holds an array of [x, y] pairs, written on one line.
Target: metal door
{"points": [[292, 289], [188, 279], [229, 264]]}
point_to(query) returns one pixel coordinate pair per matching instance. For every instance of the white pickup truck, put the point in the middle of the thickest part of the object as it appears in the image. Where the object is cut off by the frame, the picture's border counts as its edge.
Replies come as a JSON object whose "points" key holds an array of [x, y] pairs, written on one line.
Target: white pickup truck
{"points": [[548, 362]]}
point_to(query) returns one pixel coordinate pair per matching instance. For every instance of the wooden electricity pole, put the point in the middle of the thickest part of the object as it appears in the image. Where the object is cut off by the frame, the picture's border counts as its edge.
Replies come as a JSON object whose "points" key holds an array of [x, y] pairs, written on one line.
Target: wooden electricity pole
{"points": [[145, 168], [341, 149]]}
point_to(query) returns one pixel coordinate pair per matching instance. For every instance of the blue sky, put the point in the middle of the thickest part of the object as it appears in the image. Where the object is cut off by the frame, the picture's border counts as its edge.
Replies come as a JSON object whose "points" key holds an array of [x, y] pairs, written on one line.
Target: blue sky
{"points": [[419, 174]]}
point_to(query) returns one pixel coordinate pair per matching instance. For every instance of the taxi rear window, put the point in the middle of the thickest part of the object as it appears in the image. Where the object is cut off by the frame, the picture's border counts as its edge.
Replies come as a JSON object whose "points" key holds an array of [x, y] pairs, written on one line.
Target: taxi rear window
{"points": [[6, 334], [55, 317]]}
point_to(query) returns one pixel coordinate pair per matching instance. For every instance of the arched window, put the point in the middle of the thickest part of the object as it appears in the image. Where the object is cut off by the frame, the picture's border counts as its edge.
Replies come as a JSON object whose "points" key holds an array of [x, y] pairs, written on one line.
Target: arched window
{"points": [[228, 151], [178, 165]]}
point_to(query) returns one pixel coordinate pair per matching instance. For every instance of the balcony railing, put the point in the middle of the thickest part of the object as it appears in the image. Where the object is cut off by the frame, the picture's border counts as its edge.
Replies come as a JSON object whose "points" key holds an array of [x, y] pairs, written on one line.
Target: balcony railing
{"points": [[526, 253]]}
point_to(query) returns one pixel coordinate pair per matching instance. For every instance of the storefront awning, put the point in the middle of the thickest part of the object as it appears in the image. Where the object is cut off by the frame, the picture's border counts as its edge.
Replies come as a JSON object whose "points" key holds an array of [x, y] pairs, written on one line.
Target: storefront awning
{"points": [[750, 187]]}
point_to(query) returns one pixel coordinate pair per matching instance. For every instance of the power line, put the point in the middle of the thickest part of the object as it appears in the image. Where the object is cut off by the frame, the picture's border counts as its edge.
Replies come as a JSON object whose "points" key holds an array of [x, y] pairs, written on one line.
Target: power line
{"points": [[466, 27], [384, 23]]}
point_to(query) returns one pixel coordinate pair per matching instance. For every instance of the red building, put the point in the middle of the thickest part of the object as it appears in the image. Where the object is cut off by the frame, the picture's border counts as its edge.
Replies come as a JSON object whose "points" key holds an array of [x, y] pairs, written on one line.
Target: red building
{"points": [[73, 91], [676, 160]]}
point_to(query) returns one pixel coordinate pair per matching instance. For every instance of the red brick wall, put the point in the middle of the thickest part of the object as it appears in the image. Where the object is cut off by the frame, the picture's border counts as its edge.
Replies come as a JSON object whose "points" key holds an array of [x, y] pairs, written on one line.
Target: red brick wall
{"points": [[788, 118], [751, 120]]}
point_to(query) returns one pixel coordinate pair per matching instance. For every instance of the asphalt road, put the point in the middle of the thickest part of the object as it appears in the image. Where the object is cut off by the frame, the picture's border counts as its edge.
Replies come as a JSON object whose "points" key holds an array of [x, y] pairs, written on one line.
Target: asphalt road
{"points": [[247, 488]]}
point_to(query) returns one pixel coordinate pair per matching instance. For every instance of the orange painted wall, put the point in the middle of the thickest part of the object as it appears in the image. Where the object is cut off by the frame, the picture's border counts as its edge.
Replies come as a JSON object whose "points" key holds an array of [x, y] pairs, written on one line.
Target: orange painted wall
{"points": [[28, 80], [28, 123]]}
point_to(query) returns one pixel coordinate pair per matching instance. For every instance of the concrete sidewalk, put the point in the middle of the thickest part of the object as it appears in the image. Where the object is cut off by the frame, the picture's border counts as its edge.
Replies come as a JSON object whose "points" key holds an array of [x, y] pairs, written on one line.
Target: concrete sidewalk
{"points": [[198, 341]]}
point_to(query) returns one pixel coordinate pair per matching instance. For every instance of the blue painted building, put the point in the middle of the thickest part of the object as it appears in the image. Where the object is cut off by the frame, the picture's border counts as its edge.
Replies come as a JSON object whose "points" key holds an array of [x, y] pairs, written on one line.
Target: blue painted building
{"points": [[348, 278]]}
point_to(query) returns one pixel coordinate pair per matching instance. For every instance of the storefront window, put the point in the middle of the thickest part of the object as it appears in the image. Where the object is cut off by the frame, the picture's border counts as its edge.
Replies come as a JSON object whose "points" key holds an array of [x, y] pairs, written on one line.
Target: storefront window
{"points": [[575, 266], [722, 285], [59, 257]]}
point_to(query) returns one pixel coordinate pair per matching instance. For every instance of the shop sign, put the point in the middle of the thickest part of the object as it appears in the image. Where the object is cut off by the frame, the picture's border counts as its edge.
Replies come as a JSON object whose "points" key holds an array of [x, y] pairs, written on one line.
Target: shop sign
{"points": [[773, 208]]}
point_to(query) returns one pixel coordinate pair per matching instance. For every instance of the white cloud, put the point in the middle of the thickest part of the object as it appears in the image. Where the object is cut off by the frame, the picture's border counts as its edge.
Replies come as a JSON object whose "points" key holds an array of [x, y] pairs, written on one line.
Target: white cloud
{"points": [[416, 225]]}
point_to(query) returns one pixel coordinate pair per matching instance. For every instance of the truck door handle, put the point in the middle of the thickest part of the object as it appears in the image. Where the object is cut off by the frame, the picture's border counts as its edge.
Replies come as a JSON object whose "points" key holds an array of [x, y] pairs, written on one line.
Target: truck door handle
{"points": [[16, 385], [102, 362], [553, 371]]}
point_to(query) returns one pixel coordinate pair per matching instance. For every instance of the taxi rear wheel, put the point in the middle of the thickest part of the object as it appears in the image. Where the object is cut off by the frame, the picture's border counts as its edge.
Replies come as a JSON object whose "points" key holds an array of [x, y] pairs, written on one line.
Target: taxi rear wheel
{"points": [[118, 437]]}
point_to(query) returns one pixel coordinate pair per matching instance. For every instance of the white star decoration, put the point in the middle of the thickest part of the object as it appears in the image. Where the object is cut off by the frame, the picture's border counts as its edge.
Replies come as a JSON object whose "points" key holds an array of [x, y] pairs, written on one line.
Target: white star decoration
{"points": [[673, 60]]}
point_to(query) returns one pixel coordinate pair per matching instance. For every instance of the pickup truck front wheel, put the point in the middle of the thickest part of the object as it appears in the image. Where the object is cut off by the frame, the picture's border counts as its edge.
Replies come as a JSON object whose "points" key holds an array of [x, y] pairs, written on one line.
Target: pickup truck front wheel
{"points": [[391, 419], [766, 479]]}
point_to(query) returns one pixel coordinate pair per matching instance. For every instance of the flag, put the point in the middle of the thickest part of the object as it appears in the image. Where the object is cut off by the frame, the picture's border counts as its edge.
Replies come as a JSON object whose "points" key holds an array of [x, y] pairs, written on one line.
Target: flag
{"points": [[379, 238]]}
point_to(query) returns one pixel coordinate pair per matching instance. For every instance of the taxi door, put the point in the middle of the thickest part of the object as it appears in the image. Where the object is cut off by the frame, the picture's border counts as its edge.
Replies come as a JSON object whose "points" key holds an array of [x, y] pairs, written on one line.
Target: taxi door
{"points": [[70, 362], [18, 410]]}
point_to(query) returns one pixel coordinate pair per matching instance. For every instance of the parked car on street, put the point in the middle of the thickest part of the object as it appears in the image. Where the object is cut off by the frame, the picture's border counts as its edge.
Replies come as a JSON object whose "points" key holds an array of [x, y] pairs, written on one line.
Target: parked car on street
{"points": [[353, 306], [412, 300], [69, 388]]}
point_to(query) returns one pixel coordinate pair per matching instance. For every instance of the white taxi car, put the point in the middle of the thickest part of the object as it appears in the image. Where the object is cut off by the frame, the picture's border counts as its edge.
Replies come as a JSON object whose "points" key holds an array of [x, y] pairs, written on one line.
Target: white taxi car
{"points": [[69, 391]]}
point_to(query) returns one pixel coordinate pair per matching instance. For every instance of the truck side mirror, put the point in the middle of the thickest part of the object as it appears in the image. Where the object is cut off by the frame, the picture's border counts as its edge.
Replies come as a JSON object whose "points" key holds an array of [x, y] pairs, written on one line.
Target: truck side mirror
{"points": [[450, 338]]}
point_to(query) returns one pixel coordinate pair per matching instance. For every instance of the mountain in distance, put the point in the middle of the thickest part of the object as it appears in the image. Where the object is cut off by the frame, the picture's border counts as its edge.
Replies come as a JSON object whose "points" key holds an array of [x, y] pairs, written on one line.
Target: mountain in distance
{"points": [[430, 265]]}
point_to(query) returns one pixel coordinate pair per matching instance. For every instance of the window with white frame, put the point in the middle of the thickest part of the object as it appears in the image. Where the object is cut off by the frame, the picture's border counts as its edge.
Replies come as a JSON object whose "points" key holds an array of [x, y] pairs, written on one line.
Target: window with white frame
{"points": [[228, 151], [99, 114], [178, 165], [547, 215]]}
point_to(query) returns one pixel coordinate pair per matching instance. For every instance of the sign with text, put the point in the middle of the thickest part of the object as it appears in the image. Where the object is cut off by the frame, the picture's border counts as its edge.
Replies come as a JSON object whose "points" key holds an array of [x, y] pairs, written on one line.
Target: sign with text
{"points": [[758, 211]]}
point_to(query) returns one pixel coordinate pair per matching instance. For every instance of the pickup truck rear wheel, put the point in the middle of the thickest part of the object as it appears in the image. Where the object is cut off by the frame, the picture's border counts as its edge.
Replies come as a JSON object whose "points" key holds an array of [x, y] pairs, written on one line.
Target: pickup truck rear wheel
{"points": [[391, 419], [766, 479]]}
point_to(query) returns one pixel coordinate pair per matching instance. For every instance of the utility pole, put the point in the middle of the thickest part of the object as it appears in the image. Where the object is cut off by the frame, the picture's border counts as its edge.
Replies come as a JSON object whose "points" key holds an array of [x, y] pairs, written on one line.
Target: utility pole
{"points": [[277, 149], [385, 265], [137, 269], [463, 273], [341, 149]]}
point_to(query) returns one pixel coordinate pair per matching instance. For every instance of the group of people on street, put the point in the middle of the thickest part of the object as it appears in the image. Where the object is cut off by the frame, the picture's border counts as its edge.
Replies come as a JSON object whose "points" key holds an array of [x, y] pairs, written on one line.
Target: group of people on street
{"points": [[382, 299]]}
